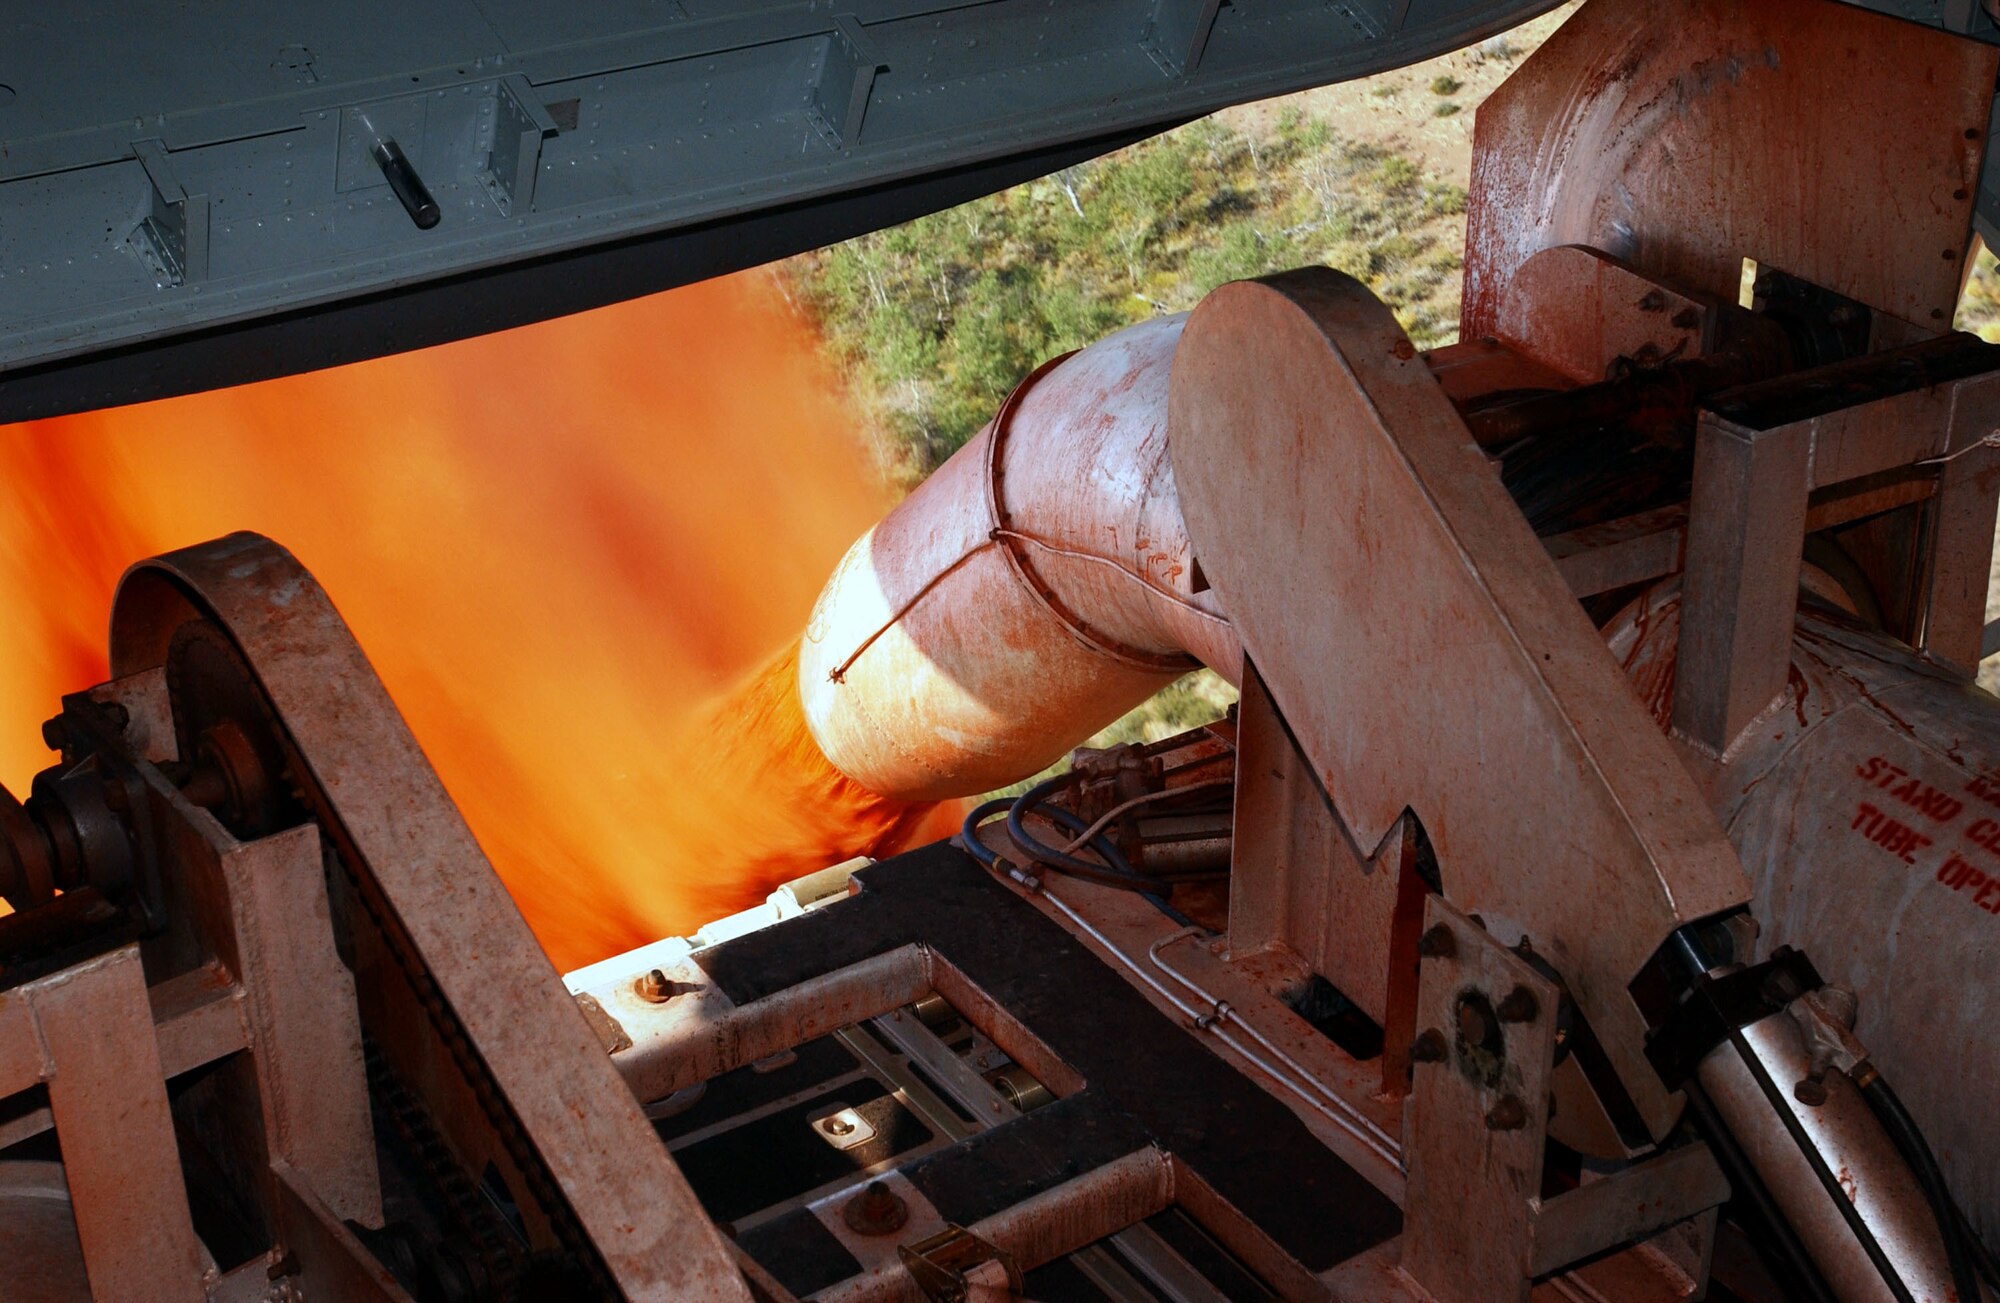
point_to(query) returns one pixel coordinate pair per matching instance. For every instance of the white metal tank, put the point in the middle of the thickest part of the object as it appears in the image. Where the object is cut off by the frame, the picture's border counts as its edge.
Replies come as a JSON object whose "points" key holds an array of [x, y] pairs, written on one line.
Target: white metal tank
{"points": [[1866, 807]]}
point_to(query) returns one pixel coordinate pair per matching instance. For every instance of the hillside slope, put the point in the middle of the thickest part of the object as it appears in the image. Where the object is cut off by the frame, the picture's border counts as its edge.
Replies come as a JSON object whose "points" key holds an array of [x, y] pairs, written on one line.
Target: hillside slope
{"points": [[932, 322]]}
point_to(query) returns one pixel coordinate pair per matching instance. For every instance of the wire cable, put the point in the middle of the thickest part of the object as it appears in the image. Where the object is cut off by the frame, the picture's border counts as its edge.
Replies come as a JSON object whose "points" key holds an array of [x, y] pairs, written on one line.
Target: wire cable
{"points": [[1212, 1023], [1039, 851], [1147, 798]]}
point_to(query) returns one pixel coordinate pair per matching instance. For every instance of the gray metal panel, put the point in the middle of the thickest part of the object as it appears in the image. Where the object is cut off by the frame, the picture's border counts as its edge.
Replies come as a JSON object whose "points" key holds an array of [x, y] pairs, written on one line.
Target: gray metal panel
{"points": [[167, 169]]}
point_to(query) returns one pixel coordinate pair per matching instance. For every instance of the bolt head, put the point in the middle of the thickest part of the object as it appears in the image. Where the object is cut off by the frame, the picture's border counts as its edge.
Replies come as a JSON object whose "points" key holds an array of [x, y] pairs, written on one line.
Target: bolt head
{"points": [[1437, 943], [1509, 1114], [875, 1210], [1810, 1093], [1519, 1005], [655, 987]]}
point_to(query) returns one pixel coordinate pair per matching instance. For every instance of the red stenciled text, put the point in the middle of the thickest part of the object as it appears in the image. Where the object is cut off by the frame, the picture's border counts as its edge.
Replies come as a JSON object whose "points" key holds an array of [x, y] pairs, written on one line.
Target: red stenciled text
{"points": [[1913, 792], [1985, 834], [1984, 787], [1899, 839], [1972, 883]]}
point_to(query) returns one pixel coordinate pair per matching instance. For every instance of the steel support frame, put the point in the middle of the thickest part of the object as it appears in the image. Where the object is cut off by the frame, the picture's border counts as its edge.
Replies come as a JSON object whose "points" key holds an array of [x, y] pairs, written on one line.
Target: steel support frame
{"points": [[1751, 508], [274, 991], [415, 867], [1512, 783], [699, 1034]]}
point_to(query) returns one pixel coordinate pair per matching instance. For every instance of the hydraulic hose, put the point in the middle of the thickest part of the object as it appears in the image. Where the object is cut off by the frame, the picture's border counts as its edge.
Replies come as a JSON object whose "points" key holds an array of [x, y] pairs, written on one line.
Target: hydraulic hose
{"points": [[1916, 1151]]}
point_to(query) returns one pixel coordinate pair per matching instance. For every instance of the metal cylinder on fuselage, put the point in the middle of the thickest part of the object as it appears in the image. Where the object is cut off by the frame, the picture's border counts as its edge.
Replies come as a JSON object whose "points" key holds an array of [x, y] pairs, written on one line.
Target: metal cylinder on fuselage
{"points": [[1865, 805]]}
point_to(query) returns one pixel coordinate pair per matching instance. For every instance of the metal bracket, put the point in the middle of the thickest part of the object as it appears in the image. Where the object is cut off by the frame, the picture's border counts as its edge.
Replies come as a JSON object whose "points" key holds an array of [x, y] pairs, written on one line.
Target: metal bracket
{"points": [[1177, 33], [1761, 452], [1479, 1108], [945, 1266], [174, 232], [514, 159], [846, 80]]}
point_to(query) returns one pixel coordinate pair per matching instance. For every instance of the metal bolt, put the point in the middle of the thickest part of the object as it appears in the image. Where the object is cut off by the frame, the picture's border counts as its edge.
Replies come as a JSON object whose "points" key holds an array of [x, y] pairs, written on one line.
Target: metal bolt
{"points": [[1519, 1005], [1510, 1114], [1474, 1027], [1810, 1092], [655, 987], [1437, 943], [1428, 1047], [838, 1126], [876, 1210]]}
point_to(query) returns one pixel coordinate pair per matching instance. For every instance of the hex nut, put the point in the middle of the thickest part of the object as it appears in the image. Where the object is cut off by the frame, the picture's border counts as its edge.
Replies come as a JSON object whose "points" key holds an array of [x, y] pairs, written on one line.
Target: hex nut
{"points": [[1437, 943], [1519, 1005], [654, 987]]}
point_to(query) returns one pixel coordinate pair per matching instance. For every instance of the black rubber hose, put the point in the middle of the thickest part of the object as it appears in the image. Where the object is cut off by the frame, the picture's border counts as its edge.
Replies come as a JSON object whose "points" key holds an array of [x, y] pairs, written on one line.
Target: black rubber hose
{"points": [[1150, 892], [1114, 873], [1790, 1256], [968, 832], [1801, 1276], [1031, 801], [1916, 1151], [1982, 1257]]}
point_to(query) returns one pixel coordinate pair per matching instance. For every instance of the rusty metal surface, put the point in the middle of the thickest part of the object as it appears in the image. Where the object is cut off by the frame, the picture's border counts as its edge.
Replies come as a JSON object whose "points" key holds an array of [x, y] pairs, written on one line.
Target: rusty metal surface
{"points": [[328, 1261], [44, 1262], [1746, 536], [109, 1100], [1629, 550], [300, 1009], [197, 1019], [393, 813], [1296, 882], [1961, 554], [1080, 1211], [1670, 134], [1339, 1098], [1758, 460], [1579, 310], [1315, 454], [673, 1049], [1478, 1112], [1626, 1206], [1034, 588]]}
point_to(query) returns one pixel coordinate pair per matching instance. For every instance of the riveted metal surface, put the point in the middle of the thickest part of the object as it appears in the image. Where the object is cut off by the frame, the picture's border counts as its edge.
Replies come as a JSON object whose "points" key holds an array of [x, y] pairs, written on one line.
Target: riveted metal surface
{"points": [[1687, 135], [120, 1158], [1475, 1130], [694, 119]]}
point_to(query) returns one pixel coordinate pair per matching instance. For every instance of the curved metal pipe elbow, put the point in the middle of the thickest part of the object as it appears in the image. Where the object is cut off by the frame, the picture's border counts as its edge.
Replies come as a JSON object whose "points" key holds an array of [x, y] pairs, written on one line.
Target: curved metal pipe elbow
{"points": [[1035, 588]]}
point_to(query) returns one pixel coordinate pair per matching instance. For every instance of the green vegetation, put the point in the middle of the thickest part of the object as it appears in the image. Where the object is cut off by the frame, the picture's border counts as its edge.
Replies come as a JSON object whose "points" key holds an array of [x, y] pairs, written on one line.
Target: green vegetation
{"points": [[1446, 86], [935, 321], [1979, 308]]}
